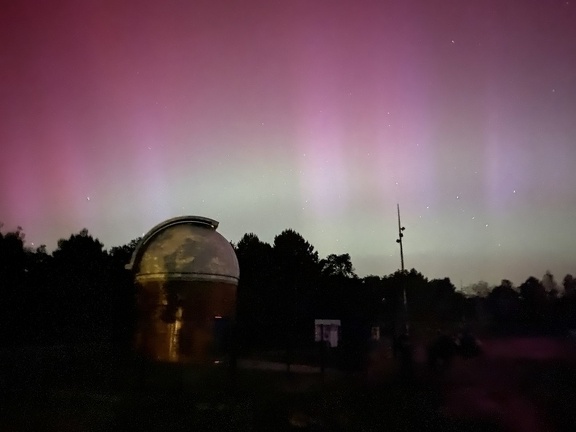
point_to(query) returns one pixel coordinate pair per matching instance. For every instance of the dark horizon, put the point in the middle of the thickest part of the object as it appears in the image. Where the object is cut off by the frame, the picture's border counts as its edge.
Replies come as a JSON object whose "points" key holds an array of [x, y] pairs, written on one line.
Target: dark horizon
{"points": [[467, 289]]}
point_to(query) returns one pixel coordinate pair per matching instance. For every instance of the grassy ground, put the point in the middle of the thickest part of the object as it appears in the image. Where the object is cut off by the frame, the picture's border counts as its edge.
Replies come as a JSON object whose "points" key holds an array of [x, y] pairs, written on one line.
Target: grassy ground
{"points": [[98, 393], [260, 400], [523, 395]]}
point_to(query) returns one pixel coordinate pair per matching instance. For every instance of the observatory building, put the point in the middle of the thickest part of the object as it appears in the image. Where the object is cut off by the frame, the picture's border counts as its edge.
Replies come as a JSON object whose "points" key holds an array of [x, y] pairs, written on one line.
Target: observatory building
{"points": [[186, 275]]}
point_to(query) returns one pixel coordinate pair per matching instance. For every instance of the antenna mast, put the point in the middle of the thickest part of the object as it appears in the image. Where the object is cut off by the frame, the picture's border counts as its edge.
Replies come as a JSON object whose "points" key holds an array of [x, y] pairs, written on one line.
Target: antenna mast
{"points": [[400, 235], [399, 241]]}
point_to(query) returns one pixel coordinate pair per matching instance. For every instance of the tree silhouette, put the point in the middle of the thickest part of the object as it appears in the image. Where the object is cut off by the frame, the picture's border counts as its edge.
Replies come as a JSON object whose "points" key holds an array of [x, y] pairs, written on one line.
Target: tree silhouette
{"points": [[14, 298], [569, 284], [82, 290], [479, 289], [256, 308], [294, 257], [568, 302], [297, 271], [122, 295], [337, 266], [503, 303], [295, 263], [122, 255], [12, 258], [549, 282], [447, 303], [535, 302]]}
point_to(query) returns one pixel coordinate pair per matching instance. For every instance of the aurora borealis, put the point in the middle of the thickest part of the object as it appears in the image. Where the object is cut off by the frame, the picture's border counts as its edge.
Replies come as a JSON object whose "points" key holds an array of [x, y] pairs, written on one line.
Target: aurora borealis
{"points": [[316, 115]]}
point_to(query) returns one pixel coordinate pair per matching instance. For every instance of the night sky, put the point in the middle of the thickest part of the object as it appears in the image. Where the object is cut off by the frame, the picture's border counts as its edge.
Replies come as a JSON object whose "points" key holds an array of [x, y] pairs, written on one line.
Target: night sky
{"points": [[316, 115]]}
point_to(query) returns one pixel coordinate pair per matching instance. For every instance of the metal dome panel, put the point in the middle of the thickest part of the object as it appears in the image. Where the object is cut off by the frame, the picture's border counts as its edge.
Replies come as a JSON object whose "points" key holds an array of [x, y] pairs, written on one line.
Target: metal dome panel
{"points": [[186, 248]]}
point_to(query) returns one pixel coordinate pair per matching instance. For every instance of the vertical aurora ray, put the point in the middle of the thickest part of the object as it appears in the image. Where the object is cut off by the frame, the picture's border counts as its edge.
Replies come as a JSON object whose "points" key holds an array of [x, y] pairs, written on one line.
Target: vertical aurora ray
{"points": [[314, 115], [324, 182]]}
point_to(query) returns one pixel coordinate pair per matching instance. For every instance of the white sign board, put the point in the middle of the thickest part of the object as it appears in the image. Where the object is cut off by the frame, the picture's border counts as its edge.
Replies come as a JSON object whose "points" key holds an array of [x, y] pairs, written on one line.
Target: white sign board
{"points": [[328, 331]]}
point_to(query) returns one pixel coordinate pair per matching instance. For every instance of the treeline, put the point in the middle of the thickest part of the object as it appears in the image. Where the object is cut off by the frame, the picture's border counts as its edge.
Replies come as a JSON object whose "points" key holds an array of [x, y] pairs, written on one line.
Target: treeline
{"points": [[536, 306], [82, 292], [78, 293], [284, 286]]}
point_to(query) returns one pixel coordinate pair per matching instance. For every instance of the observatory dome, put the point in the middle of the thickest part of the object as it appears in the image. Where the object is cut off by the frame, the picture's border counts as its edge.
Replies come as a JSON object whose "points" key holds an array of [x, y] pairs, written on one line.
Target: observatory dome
{"points": [[185, 248]]}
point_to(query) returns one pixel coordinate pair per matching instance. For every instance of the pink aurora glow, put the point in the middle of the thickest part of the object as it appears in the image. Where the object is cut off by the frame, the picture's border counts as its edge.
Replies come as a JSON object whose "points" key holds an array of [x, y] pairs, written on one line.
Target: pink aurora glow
{"points": [[315, 115]]}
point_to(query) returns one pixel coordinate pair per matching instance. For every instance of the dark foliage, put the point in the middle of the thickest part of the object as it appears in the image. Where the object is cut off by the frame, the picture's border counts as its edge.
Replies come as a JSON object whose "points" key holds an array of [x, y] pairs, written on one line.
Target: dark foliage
{"points": [[82, 292], [79, 293]]}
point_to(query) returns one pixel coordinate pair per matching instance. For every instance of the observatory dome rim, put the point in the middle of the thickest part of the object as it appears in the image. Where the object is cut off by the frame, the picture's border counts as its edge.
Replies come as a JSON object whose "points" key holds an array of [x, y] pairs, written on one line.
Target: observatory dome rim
{"points": [[196, 221]]}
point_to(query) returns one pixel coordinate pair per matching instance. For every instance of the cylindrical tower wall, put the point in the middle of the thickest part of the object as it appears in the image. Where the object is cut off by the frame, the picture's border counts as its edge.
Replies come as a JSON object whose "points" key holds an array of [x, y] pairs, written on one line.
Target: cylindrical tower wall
{"points": [[186, 276]]}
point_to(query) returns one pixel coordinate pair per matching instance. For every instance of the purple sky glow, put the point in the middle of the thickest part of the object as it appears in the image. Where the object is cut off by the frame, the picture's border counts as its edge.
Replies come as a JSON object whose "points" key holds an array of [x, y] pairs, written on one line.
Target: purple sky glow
{"points": [[314, 115]]}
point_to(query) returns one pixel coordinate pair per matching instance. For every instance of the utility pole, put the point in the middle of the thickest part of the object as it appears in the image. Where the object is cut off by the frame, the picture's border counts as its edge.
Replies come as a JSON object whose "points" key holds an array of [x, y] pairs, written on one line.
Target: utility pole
{"points": [[399, 241]]}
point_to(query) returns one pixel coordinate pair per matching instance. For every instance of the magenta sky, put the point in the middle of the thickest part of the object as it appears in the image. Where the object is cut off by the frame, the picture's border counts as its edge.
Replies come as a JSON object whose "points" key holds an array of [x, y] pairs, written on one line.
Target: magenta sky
{"points": [[318, 115]]}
